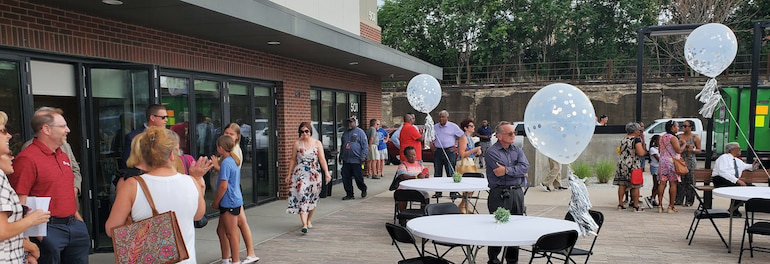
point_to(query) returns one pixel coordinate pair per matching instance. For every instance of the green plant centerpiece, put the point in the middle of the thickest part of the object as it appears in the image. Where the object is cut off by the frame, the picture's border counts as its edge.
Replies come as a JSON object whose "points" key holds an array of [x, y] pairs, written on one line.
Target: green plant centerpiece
{"points": [[502, 215], [457, 177]]}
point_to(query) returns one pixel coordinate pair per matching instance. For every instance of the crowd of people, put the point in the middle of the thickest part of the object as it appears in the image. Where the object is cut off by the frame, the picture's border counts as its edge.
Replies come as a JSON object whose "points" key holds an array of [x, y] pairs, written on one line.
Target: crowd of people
{"points": [[176, 180]]}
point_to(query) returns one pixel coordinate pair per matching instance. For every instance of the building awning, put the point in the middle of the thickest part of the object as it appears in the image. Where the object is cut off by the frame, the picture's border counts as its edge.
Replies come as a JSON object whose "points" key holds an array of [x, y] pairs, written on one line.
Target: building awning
{"points": [[252, 24]]}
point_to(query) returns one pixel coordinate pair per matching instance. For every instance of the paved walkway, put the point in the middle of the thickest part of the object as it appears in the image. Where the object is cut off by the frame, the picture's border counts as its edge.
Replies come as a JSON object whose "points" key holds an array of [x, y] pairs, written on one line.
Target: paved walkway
{"points": [[353, 231]]}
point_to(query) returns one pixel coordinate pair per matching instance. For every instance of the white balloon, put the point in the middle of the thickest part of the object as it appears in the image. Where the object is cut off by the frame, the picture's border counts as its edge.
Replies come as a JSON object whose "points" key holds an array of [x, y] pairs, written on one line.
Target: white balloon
{"points": [[423, 93], [710, 49], [560, 122]]}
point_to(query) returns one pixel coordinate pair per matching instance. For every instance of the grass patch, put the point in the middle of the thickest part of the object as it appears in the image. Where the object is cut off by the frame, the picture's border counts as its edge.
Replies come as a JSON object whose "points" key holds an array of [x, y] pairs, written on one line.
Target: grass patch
{"points": [[605, 170], [581, 169]]}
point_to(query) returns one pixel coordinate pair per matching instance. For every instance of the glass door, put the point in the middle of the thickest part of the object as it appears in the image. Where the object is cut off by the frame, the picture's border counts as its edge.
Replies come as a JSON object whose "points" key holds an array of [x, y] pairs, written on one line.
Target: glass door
{"points": [[118, 98]]}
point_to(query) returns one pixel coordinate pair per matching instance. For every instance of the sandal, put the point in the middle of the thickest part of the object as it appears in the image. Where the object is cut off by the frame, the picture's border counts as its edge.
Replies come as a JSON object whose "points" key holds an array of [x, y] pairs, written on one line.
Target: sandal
{"points": [[637, 209], [621, 207], [672, 210], [660, 209]]}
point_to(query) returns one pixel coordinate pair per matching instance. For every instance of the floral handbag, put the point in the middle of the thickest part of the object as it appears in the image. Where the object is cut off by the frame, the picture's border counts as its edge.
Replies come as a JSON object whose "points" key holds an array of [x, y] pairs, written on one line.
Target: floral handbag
{"points": [[153, 240]]}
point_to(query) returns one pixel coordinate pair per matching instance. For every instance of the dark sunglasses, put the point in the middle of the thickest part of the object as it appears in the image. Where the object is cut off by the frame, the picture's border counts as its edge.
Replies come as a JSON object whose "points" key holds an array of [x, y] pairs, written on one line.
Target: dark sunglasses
{"points": [[305, 131], [161, 117]]}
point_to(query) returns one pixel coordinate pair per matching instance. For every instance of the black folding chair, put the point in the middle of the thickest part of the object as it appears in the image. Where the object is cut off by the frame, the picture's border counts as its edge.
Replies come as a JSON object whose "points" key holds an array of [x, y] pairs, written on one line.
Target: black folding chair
{"points": [[441, 209], [753, 227], [400, 234], [410, 197], [703, 213], [599, 219], [551, 243]]}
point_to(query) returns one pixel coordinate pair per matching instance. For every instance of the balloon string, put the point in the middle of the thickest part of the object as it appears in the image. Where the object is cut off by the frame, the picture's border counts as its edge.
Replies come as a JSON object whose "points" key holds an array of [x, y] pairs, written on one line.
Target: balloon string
{"points": [[445, 155], [753, 151]]}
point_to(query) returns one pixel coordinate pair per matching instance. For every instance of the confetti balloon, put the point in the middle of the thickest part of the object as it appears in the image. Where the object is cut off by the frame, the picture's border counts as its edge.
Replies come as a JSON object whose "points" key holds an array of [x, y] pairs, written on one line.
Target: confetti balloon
{"points": [[560, 122]]}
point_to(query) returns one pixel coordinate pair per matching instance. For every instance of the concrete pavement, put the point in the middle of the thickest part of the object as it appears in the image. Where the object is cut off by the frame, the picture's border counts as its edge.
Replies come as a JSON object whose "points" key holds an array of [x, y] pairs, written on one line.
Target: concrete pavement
{"points": [[353, 231]]}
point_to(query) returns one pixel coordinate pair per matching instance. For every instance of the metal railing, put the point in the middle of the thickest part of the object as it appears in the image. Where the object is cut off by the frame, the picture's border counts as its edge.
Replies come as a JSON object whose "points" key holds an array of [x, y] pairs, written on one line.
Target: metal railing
{"points": [[595, 72]]}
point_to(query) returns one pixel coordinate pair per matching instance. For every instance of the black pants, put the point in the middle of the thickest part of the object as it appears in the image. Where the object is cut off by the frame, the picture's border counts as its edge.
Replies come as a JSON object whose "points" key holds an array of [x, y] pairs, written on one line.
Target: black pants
{"points": [[514, 202], [722, 182], [351, 171]]}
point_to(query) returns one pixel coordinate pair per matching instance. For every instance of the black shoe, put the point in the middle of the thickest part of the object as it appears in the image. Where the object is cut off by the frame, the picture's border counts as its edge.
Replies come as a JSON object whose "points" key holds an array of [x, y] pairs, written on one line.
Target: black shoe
{"points": [[348, 198], [562, 188], [363, 194], [494, 261], [737, 214], [375, 177]]}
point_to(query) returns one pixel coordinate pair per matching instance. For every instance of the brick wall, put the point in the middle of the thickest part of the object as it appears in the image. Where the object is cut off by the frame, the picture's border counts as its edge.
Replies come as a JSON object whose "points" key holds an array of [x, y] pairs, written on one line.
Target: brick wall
{"points": [[370, 32], [41, 28]]}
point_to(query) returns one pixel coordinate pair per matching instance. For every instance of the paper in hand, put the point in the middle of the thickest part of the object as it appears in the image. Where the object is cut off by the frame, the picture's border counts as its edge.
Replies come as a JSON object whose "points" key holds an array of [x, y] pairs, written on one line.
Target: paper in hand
{"points": [[35, 203]]}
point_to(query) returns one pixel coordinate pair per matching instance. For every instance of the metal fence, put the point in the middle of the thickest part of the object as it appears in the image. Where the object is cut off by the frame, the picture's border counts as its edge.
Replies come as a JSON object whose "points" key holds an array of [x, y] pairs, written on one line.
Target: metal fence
{"points": [[595, 72]]}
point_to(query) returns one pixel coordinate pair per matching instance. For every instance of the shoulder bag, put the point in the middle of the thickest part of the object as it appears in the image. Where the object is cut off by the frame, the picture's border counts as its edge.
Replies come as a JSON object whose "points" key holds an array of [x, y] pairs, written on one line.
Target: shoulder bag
{"points": [[680, 166], [157, 239]]}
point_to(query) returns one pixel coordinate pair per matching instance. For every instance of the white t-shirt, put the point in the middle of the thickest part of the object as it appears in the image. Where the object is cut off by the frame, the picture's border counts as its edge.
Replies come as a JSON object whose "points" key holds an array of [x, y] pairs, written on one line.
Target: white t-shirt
{"points": [[653, 160], [176, 193]]}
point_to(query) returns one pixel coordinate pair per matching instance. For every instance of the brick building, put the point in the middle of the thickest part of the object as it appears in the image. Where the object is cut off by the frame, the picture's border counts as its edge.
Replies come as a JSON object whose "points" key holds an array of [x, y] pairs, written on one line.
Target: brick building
{"points": [[267, 65]]}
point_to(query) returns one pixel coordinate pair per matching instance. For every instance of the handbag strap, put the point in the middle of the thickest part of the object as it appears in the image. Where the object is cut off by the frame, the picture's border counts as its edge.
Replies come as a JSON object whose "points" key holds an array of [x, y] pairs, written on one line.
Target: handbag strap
{"points": [[147, 194]]}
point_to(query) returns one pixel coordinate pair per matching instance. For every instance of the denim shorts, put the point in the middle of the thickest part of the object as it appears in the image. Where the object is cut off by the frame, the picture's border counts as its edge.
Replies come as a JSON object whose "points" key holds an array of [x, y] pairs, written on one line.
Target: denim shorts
{"points": [[654, 170]]}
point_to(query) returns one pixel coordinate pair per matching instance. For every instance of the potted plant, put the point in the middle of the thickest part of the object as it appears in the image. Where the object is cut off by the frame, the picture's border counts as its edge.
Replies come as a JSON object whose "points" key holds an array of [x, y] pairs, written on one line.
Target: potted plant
{"points": [[457, 177], [605, 170], [582, 170]]}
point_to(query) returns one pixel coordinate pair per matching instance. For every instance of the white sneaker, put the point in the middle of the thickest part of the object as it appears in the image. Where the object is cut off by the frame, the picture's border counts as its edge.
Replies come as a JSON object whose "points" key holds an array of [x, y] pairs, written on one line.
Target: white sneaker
{"points": [[545, 188], [226, 261], [250, 259]]}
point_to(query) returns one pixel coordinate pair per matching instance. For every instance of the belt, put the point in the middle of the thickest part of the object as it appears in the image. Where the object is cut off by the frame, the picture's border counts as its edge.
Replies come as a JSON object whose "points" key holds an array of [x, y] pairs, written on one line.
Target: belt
{"points": [[437, 148], [508, 187], [62, 220]]}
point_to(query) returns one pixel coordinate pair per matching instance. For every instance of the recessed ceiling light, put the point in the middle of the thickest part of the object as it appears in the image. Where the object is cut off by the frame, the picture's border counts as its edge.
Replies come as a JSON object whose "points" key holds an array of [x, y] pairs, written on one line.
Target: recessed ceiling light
{"points": [[353, 63], [112, 2], [273, 43]]}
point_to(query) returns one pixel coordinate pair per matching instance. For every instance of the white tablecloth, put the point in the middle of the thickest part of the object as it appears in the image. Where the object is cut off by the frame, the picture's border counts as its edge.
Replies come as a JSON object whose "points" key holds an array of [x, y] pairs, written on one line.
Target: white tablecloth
{"points": [[743, 193], [481, 229], [445, 184]]}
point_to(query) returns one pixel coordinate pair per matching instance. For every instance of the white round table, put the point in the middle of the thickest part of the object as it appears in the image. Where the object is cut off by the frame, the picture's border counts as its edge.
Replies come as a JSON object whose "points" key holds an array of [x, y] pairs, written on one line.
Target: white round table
{"points": [[743, 193], [482, 230], [740, 193], [446, 184]]}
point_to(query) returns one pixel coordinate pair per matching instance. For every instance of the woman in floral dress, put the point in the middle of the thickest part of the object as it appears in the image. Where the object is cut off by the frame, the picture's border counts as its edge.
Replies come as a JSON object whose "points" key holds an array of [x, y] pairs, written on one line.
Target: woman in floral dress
{"points": [[305, 178], [670, 148], [630, 149]]}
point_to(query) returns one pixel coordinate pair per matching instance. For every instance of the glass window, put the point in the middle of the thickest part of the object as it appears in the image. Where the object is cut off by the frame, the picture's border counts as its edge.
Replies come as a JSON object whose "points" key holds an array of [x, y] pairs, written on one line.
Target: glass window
{"points": [[174, 93], [10, 86]]}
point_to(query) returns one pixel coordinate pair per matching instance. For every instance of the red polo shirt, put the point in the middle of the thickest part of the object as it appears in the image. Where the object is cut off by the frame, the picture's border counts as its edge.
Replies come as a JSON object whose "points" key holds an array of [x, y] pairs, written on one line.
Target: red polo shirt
{"points": [[40, 172], [408, 137]]}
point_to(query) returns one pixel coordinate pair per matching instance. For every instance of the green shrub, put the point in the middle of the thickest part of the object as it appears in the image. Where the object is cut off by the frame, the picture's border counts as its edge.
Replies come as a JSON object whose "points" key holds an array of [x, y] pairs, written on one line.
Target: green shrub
{"points": [[581, 169], [605, 170]]}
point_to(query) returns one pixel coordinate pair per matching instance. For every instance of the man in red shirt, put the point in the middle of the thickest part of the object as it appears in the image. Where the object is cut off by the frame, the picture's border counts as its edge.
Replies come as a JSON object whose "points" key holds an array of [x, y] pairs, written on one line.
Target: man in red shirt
{"points": [[44, 170], [410, 136]]}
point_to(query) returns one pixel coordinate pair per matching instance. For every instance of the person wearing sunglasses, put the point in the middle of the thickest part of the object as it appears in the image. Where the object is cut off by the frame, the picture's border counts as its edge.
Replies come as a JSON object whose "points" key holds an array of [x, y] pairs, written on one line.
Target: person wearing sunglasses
{"points": [[308, 168], [156, 117], [13, 246], [354, 149], [686, 196]]}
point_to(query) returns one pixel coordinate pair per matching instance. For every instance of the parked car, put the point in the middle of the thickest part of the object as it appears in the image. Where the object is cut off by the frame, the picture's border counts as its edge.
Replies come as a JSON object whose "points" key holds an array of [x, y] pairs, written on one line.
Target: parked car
{"points": [[518, 141], [393, 151]]}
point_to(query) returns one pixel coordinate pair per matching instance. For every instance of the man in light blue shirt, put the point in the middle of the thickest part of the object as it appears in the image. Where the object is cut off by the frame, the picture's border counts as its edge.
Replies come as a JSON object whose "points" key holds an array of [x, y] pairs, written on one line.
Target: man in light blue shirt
{"points": [[445, 153]]}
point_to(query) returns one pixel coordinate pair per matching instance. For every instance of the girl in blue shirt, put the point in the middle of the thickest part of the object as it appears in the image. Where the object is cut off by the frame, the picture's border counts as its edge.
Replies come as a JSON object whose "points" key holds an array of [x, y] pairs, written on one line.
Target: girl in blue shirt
{"points": [[228, 199]]}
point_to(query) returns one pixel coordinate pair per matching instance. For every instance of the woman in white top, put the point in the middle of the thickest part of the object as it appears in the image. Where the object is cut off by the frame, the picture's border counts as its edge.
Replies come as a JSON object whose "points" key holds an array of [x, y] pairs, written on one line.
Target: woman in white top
{"points": [[170, 190], [234, 131]]}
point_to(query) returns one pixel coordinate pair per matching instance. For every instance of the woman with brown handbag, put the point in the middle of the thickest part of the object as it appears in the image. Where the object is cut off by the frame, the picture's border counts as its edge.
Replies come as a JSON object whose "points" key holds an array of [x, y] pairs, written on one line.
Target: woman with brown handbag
{"points": [[171, 190], [467, 153], [670, 148]]}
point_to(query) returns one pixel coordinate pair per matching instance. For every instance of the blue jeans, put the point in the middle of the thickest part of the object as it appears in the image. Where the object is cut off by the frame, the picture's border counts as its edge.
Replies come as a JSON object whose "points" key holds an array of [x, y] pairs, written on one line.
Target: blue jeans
{"points": [[352, 171], [65, 243]]}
